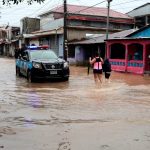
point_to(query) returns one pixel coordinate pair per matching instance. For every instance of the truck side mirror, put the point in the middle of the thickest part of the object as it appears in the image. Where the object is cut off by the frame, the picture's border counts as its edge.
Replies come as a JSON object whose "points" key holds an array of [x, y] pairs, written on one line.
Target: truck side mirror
{"points": [[25, 58]]}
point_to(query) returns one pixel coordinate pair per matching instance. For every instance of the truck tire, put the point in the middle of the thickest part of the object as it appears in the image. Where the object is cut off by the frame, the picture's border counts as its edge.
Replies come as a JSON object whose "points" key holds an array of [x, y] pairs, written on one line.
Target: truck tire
{"points": [[30, 77], [18, 74]]}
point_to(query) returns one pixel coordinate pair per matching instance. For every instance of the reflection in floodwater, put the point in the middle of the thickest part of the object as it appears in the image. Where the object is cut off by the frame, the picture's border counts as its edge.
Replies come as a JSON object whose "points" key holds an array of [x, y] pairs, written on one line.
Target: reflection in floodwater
{"points": [[77, 114], [33, 99]]}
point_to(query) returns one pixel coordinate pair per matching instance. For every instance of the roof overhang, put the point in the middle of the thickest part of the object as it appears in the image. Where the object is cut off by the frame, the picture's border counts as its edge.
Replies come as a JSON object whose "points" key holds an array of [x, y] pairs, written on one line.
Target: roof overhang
{"points": [[128, 38], [41, 33]]}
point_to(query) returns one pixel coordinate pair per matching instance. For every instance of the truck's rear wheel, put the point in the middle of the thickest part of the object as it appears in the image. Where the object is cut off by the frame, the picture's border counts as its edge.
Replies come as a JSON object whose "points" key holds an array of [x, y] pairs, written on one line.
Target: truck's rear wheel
{"points": [[18, 72]]}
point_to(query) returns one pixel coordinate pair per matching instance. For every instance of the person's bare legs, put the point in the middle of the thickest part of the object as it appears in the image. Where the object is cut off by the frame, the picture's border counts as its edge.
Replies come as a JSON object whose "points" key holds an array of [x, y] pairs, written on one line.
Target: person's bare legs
{"points": [[98, 81], [96, 78], [100, 77]]}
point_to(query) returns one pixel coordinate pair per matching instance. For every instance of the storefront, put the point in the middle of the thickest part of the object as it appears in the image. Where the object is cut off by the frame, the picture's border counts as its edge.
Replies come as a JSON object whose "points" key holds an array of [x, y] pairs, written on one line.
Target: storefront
{"points": [[129, 55]]}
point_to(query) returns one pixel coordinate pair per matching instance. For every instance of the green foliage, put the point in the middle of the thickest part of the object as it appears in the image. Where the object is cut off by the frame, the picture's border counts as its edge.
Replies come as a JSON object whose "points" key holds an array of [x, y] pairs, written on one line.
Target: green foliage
{"points": [[29, 2]]}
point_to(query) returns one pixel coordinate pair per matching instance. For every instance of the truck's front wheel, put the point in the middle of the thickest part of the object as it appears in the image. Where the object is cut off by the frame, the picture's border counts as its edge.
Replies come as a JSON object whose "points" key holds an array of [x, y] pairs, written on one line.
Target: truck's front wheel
{"points": [[30, 77]]}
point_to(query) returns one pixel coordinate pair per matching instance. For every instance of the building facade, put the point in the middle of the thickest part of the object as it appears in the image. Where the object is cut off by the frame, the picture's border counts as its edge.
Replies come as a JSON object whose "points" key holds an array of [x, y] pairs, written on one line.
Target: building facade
{"points": [[80, 22], [131, 54], [9, 41], [141, 15]]}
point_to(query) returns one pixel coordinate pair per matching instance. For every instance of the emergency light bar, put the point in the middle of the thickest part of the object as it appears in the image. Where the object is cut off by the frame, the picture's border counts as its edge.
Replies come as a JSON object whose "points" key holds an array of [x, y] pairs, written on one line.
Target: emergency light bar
{"points": [[34, 47]]}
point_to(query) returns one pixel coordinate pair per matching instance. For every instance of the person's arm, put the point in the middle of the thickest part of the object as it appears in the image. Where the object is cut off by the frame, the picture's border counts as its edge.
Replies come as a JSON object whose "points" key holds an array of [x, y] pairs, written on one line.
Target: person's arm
{"points": [[88, 71], [102, 60], [92, 61]]}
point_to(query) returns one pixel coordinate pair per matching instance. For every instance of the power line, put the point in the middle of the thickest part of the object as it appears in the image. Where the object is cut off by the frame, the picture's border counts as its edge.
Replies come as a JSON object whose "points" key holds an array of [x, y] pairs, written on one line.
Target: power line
{"points": [[89, 7], [80, 10], [40, 8], [125, 7], [125, 2], [27, 10], [75, 11]]}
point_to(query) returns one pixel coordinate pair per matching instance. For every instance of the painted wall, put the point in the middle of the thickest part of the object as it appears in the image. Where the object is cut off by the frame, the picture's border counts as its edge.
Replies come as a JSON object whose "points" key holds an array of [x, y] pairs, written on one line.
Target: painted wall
{"points": [[145, 33], [60, 41], [79, 54], [126, 65]]}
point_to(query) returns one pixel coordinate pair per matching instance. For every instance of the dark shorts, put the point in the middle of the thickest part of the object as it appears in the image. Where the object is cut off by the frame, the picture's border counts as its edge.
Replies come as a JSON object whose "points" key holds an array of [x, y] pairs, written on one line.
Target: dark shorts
{"points": [[97, 71], [107, 75]]}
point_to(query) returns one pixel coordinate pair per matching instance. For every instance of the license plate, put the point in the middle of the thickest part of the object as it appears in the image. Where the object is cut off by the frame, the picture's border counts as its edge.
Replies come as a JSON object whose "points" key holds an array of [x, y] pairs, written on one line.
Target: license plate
{"points": [[53, 72]]}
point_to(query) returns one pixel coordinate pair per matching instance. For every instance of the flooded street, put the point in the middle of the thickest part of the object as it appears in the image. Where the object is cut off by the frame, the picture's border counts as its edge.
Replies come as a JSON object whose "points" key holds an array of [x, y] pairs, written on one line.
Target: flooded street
{"points": [[74, 115]]}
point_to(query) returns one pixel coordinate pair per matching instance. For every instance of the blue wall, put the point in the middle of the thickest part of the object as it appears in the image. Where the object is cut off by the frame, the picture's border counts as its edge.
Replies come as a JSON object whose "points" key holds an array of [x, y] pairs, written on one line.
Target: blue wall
{"points": [[144, 33]]}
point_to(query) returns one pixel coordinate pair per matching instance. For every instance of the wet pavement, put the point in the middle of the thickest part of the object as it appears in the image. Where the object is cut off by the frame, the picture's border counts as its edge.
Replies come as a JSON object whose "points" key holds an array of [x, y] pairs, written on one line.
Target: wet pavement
{"points": [[74, 115]]}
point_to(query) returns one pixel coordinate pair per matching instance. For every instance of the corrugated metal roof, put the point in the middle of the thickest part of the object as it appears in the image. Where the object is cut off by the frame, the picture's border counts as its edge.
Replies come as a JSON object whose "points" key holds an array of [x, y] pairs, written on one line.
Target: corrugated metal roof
{"points": [[139, 7], [101, 39], [94, 11], [43, 33], [139, 30]]}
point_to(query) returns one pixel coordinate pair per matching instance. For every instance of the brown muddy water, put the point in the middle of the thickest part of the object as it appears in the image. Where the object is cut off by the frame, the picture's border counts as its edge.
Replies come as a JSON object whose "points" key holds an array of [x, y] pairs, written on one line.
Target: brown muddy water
{"points": [[74, 115]]}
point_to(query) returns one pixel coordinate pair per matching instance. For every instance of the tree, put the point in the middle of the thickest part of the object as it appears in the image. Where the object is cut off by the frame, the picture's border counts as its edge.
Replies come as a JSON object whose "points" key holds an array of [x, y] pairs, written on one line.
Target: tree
{"points": [[9, 2]]}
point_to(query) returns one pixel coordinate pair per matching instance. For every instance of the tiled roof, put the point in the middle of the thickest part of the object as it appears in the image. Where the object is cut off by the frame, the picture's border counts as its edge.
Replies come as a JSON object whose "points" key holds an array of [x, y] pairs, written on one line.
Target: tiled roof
{"points": [[84, 10]]}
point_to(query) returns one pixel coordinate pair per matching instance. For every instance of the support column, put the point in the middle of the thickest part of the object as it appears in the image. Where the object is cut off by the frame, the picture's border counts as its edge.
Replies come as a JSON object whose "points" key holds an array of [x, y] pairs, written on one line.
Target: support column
{"points": [[107, 25], [65, 44], [126, 57], [107, 50], [144, 57], [146, 20]]}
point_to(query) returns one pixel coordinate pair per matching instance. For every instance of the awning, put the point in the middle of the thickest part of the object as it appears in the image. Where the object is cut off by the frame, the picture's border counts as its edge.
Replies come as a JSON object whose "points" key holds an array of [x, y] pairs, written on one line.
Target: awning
{"points": [[14, 40], [43, 33]]}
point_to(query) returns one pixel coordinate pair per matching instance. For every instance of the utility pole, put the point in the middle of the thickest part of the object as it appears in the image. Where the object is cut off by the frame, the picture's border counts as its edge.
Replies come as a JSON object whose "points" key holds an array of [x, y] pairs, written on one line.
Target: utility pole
{"points": [[0, 12], [107, 26], [56, 39], [65, 46]]}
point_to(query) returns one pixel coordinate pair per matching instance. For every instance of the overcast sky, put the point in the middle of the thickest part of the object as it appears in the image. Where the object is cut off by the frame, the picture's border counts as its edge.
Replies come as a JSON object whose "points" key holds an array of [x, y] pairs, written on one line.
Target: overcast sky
{"points": [[12, 14]]}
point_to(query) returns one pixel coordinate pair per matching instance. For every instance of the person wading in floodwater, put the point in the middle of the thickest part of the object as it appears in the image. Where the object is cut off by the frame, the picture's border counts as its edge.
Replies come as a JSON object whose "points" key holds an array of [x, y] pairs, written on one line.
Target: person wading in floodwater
{"points": [[97, 62], [107, 69]]}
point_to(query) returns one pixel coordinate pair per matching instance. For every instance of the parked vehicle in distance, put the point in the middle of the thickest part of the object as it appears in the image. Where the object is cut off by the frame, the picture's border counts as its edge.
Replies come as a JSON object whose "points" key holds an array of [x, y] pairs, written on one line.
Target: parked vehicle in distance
{"points": [[41, 63]]}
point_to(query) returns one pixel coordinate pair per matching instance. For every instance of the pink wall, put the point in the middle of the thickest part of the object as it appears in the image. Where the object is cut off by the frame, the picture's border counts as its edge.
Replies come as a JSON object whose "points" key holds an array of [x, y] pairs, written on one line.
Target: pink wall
{"points": [[125, 65]]}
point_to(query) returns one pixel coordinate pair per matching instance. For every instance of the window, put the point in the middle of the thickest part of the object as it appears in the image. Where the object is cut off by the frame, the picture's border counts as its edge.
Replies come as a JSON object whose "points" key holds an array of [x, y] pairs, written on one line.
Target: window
{"points": [[117, 51]]}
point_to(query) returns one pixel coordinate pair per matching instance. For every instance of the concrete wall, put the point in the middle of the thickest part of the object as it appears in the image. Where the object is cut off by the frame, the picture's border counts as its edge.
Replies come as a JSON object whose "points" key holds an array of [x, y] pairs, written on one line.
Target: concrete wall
{"points": [[79, 54], [79, 34], [29, 25], [34, 41], [50, 24], [60, 41]]}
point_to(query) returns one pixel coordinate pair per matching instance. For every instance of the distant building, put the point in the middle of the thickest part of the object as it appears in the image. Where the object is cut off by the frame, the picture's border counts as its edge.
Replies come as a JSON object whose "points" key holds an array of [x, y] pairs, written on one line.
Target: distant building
{"points": [[87, 48], [132, 53], [81, 20], [29, 25], [3, 36], [141, 15], [9, 40]]}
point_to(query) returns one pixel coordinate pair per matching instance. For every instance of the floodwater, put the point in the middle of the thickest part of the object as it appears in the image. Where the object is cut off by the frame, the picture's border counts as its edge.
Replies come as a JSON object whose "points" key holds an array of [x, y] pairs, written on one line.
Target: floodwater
{"points": [[74, 115]]}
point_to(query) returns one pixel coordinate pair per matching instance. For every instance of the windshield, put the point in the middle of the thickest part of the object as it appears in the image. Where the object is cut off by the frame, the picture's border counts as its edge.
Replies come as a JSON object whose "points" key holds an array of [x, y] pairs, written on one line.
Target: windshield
{"points": [[43, 54]]}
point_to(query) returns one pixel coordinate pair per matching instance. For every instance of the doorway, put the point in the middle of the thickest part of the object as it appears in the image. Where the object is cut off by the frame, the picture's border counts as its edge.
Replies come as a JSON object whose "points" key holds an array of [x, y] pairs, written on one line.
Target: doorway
{"points": [[147, 60]]}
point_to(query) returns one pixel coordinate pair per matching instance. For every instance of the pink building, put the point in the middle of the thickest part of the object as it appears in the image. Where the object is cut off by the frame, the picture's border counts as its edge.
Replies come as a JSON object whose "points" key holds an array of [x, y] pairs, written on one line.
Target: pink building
{"points": [[131, 54]]}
